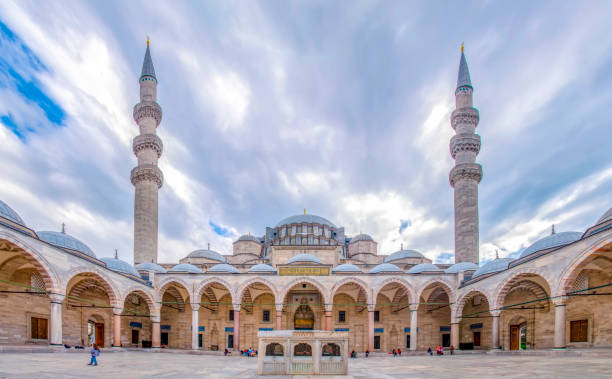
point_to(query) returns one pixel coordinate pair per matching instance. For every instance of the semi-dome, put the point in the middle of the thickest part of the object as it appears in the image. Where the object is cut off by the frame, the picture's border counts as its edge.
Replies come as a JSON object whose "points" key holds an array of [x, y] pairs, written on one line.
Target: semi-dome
{"points": [[305, 219], [424, 267], [120, 266], [262, 268], [8, 213], [65, 241], [403, 254], [361, 237], [304, 258], [496, 265], [186, 267], [605, 217], [551, 241], [223, 268], [208, 254], [461, 266], [248, 237], [150, 266], [385, 267], [346, 267]]}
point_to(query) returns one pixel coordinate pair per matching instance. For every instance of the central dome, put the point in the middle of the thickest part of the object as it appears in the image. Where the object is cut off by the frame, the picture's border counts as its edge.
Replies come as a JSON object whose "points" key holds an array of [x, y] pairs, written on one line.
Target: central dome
{"points": [[305, 219], [65, 241], [207, 254]]}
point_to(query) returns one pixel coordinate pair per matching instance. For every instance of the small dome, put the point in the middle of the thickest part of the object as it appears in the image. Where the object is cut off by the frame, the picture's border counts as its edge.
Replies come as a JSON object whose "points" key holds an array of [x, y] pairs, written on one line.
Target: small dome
{"points": [[496, 265], [605, 217], [304, 258], [8, 213], [65, 241], [150, 266], [186, 267], [208, 254], [248, 237], [262, 268], [403, 254], [424, 267], [120, 266], [305, 219], [346, 267], [461, 266], [361, 237], [224, 268], [385, 267], [551, 241]]}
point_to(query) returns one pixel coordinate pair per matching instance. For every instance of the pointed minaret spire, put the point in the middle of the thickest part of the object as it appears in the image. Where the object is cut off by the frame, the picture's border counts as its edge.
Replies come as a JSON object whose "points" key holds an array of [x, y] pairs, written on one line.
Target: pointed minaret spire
{"points": [[147, 64], [463, 79]]}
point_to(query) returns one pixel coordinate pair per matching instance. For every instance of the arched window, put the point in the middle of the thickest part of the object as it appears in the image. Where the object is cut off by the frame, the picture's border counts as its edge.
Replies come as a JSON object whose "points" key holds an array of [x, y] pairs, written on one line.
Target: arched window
{"points": [[274, 350], [330, 350], [302, 350]]}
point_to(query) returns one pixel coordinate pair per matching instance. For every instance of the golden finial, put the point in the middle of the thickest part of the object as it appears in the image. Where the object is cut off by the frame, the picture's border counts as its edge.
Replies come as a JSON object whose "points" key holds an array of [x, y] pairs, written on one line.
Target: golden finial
{"points": [[249, 233], [461, 47], [148, 42], [304, 210]]}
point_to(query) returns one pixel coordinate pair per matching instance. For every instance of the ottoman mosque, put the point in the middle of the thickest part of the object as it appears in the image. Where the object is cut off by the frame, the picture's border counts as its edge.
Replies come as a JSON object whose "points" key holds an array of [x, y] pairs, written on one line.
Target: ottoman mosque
{"points": [[305, 273]]}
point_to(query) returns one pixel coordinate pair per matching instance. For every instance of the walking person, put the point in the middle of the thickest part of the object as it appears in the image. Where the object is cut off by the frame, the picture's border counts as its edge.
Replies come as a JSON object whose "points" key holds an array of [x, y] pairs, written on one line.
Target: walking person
{"points": [[95, 351], [429, 351], [452, 349], [399, 352], [394, 353]]}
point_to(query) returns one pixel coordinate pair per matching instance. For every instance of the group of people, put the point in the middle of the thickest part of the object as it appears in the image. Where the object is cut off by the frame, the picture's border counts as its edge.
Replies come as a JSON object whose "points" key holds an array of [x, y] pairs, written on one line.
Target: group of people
{"points": [[249, 352], [440, 350], [396, 352]]}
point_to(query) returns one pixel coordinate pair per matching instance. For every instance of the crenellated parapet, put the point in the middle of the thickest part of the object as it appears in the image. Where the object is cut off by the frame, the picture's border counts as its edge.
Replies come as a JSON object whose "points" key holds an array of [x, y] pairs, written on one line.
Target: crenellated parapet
{"points": [[147, 109], [148, 141]]}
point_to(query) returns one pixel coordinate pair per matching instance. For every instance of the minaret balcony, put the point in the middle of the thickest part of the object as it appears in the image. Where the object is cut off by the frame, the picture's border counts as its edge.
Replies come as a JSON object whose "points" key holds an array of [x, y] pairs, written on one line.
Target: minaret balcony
{"points": [[471, 171], [147, 141], [147, 172], [469, 116], [464, 142], [147, 109]]}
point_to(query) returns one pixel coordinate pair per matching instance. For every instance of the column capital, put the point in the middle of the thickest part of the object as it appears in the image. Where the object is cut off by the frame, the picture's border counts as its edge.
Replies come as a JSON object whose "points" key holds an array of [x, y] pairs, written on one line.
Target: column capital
{"points": [[328, 307], [117, 311], [371, 307], [56, 298], [155, 319], [279, 307], [414, 307], [560, 301], [236, 307], [195, 307], [495, 313]]}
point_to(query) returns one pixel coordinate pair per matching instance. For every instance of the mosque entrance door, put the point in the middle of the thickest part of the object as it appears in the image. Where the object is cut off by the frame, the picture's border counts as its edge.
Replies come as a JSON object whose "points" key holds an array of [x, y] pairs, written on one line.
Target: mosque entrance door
{"points": [[100, 334], [514, 337], [304, 317]]}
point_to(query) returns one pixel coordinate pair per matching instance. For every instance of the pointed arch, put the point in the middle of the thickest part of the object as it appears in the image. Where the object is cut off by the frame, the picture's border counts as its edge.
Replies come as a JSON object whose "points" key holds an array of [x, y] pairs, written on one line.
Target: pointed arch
{"points": [[517, 277], [304, 279], [244, 286], [113, 293], [352, 280], [462, 299], [207, 282], [145, 296], [447, 287], [165, 283], [408, 287]]}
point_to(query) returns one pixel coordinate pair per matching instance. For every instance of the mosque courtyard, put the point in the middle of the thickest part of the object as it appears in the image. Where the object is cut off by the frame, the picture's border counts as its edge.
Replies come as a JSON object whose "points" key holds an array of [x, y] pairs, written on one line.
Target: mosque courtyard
{"points": [[135, 364]]}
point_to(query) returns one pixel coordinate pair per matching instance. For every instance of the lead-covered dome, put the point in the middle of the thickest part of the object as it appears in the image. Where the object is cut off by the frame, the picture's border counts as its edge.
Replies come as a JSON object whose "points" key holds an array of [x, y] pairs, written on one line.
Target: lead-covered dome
{"points": [[150, 266], [424, 267], [496, 265], [551, 241], [65, 241], [186, 267], [361, 237], [304, 258], [305, 219], [117, 265], [403, 254], [385, 268], [248, 237], [262, 268], [207, 254], [605, 217], [223, 268], [8, 213], [461, 266], [346, 268]]}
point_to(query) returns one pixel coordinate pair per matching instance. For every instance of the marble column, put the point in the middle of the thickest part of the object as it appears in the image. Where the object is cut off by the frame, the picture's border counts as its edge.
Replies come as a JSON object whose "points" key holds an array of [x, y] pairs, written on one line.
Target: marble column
{"points": [[117, 327], [328, 320], [155, 330], [559, 341], [414, 309], [495, 330], [371, 330], [194, 326], [455, 335], [55, 319], [237, 328]]}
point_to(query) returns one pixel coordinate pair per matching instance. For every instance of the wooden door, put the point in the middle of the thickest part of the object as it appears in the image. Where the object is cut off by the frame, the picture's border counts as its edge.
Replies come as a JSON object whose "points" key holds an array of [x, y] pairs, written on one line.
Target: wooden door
{"points": [[514, 337], [100, 334], [476, 338]]}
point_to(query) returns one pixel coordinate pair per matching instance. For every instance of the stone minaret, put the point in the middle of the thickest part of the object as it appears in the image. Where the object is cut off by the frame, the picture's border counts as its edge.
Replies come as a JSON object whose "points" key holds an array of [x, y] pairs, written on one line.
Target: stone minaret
{"points": [[147, 178], [465, 176]]}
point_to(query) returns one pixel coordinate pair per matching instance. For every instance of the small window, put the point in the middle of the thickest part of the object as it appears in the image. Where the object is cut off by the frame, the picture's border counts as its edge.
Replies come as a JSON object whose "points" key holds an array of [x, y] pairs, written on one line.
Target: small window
{"points": [[39, 328], [274, 350], [134, 336], [302, 350], [330, 350], [341, 316], [579, 331], [231, 315], [376, 316], [266, 316]]}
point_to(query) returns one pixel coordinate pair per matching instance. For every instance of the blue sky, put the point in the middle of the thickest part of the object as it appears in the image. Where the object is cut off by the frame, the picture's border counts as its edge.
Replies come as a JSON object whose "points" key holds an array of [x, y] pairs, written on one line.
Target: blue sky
{"points": [[341, 108]]}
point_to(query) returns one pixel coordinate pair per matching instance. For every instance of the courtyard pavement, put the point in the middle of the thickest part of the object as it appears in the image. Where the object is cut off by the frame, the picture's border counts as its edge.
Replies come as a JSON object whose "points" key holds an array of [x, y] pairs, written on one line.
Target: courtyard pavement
{"points": [[135, 364]]}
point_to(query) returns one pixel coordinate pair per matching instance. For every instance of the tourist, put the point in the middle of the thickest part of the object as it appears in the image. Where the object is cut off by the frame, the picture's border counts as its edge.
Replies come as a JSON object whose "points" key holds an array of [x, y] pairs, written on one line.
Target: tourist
{"points": [[394, 352], [429, 351], [452, 349], [95, 351], [367, 353], [399, 351], [353, 354], [225, 352]]}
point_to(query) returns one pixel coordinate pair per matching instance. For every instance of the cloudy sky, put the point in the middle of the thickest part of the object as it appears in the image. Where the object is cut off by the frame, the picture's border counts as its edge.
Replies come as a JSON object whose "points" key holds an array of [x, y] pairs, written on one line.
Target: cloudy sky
{"points": [[339, 107]]}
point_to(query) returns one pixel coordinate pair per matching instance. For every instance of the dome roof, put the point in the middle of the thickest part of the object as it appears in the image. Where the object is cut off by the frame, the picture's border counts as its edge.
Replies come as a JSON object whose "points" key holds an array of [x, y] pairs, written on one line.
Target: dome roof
{"points": [[9, 213], [120, 266], [461, 266], [208, 254], [150, 266], [496, 265], [403, 254], [65, 241], [224, 268], [305, 219], [605, 217], [346, 267], [186, 267], [551, 241], [248, 237], [424, 267], [309, 258], [361, 237], [385, 267], [263, 268]]}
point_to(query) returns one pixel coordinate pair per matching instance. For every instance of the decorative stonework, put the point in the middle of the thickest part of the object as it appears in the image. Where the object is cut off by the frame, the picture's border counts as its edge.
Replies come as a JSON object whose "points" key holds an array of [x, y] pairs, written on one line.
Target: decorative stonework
{"points": [[472, 171], [464, 142], [147, 109], [466, 116], [148, 141], [147, 172]]}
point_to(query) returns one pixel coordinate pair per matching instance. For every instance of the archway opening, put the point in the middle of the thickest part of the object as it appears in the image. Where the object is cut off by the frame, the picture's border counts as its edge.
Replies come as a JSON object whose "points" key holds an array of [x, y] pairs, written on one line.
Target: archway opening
{"points": [[392, 317], [434, 317], [304, 307], [136, 324], [475, 324], [175, 312], [350, 314], [216, 318], [257, 312]]}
